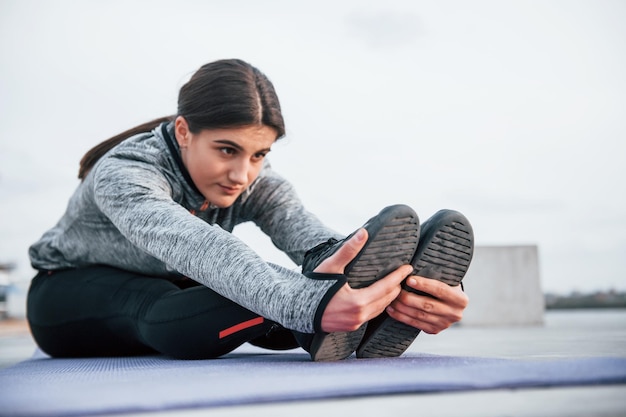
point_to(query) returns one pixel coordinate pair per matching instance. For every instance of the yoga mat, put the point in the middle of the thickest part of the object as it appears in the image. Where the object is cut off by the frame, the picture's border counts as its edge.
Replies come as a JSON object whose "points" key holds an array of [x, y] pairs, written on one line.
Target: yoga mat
{"points": [[52, 387]]}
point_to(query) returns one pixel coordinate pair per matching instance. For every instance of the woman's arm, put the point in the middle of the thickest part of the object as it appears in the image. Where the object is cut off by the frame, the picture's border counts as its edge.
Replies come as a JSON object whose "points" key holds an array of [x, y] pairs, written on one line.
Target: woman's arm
{"points": [[135, 196], [275, 207]]}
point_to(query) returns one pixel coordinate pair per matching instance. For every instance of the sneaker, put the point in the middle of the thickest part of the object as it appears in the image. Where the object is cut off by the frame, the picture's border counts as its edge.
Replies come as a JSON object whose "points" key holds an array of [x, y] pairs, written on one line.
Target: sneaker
{"points": [[392, 240], [444, 253]]}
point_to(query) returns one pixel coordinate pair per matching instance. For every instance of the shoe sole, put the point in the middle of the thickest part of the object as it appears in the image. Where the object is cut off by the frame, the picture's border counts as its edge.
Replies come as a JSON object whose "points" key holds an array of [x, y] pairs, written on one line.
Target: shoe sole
{"points": [[444, 253], [393, 236]]}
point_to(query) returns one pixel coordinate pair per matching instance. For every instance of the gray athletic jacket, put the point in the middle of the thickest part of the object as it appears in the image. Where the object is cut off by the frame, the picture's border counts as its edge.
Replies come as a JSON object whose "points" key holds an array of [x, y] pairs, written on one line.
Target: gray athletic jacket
{"points": [[138, 210]]}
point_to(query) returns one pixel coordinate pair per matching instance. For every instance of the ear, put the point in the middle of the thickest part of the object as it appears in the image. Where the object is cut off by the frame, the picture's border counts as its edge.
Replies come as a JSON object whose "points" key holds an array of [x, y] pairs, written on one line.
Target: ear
{"points": [[182, 132]]}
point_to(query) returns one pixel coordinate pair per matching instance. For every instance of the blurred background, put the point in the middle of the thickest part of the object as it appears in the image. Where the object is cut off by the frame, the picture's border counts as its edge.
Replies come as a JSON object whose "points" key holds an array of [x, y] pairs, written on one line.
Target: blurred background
{"points": [[512, 112]]}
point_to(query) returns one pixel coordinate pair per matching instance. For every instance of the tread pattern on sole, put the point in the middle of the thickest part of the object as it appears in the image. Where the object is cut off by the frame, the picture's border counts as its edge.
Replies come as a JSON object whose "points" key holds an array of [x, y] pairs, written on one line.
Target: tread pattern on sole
{"points": [[448, 255], [446, 258], [339, 345], [392, 339], [391, 247]]}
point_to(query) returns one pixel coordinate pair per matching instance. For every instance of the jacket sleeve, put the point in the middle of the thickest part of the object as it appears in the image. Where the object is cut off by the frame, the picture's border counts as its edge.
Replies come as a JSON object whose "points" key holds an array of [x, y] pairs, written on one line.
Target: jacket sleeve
{"points": [[136, 197], [275, 207]]}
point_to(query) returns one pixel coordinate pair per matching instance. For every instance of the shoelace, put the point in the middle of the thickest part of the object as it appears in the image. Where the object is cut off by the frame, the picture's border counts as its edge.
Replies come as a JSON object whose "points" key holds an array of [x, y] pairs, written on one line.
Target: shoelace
{"points": [[319, 247]]}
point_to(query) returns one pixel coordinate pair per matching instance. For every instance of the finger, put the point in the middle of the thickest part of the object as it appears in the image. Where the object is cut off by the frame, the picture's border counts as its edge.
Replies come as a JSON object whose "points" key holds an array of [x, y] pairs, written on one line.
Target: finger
{"points": [[426, 308], [392, 280], [418, 305], [382, 293], [426, 322], [440, 290], [424, 312], [337, 262], [349, 308]]}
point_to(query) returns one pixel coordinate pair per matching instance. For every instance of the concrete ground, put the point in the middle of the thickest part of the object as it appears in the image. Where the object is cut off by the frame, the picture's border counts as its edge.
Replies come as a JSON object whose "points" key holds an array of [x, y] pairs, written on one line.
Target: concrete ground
{"points": [[565, 334]]}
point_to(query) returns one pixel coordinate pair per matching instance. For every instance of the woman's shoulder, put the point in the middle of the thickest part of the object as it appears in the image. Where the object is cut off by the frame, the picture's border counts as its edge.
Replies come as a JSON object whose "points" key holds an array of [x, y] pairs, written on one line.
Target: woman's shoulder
{"points": [[144, 147], [142, 151]]}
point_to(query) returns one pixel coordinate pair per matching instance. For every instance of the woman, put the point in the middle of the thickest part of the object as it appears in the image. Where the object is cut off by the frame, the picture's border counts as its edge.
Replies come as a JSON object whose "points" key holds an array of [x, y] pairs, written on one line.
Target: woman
{"points": [[143, 260]]}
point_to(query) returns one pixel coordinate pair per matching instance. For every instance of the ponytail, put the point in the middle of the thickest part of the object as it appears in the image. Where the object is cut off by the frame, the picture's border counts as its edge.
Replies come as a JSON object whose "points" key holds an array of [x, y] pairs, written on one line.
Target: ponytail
{"points": [[95, 153]]}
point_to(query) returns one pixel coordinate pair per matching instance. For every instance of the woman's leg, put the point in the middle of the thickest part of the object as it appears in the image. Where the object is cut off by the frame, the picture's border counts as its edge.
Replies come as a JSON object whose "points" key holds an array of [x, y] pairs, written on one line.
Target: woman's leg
{"points": [[198, 323], [104, 311]]}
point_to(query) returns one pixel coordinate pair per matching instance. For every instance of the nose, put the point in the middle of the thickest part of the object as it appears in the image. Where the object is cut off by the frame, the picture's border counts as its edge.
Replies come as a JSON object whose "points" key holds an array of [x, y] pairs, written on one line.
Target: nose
{"points": [[238, 172]]}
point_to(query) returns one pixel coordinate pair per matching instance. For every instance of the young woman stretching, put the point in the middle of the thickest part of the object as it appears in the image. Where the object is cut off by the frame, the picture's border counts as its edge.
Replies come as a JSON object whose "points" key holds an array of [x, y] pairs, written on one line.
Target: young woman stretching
{"points": [[143, 260]]}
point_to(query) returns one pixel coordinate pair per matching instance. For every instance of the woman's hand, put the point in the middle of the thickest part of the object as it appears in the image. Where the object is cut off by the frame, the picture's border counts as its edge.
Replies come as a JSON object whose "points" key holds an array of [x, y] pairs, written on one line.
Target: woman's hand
{"points": [[431, 315], [350, 308]]}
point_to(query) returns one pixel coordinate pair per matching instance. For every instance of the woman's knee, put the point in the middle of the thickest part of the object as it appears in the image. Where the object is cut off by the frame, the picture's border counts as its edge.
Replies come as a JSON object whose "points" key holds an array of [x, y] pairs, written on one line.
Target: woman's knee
{"points": [[198, 323]]}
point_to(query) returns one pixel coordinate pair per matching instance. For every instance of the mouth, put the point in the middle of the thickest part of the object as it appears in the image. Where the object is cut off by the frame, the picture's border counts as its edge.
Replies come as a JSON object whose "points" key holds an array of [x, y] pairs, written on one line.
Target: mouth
{"points": [[230, 190]]}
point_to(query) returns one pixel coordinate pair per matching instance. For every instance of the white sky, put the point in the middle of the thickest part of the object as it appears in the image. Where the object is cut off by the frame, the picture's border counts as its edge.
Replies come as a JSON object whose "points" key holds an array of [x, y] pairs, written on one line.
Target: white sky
{"points": [[512, 112]]}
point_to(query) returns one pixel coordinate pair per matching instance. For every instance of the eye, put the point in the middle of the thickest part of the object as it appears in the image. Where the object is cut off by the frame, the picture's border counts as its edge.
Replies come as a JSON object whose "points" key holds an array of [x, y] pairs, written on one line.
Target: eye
{"points": [[259, 156], [228, 150]]}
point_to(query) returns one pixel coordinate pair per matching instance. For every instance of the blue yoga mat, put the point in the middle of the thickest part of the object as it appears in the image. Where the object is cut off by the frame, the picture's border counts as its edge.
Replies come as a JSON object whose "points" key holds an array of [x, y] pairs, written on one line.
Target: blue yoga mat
{"points": [[52, 387]]}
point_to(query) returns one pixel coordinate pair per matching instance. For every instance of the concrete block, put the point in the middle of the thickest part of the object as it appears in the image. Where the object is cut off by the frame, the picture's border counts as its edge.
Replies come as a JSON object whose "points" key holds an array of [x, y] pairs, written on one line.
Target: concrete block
{"points": [[504, 288]]}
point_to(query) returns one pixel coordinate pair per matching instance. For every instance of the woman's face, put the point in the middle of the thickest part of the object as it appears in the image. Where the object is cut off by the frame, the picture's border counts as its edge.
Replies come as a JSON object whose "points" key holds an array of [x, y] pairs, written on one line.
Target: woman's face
{"points": [[223, 162]]}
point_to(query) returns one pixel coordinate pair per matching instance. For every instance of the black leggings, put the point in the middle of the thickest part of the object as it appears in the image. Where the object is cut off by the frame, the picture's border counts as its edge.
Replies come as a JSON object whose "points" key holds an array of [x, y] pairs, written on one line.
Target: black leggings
{"points": [[104, 311]]}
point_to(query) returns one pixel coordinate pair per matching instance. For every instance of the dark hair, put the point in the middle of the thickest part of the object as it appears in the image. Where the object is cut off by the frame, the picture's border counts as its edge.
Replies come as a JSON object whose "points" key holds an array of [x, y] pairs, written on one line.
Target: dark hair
{"points": [[222, 94]]}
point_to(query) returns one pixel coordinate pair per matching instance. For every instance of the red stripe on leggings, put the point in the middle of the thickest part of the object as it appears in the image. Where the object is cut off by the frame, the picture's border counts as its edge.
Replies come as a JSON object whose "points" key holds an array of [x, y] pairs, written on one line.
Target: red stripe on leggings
{"points": [[241, 326]]}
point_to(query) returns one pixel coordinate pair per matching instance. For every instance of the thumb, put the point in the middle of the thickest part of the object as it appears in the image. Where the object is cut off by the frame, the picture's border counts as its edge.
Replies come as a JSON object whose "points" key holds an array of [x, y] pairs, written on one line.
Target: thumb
{"points": [[337, 262]]}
